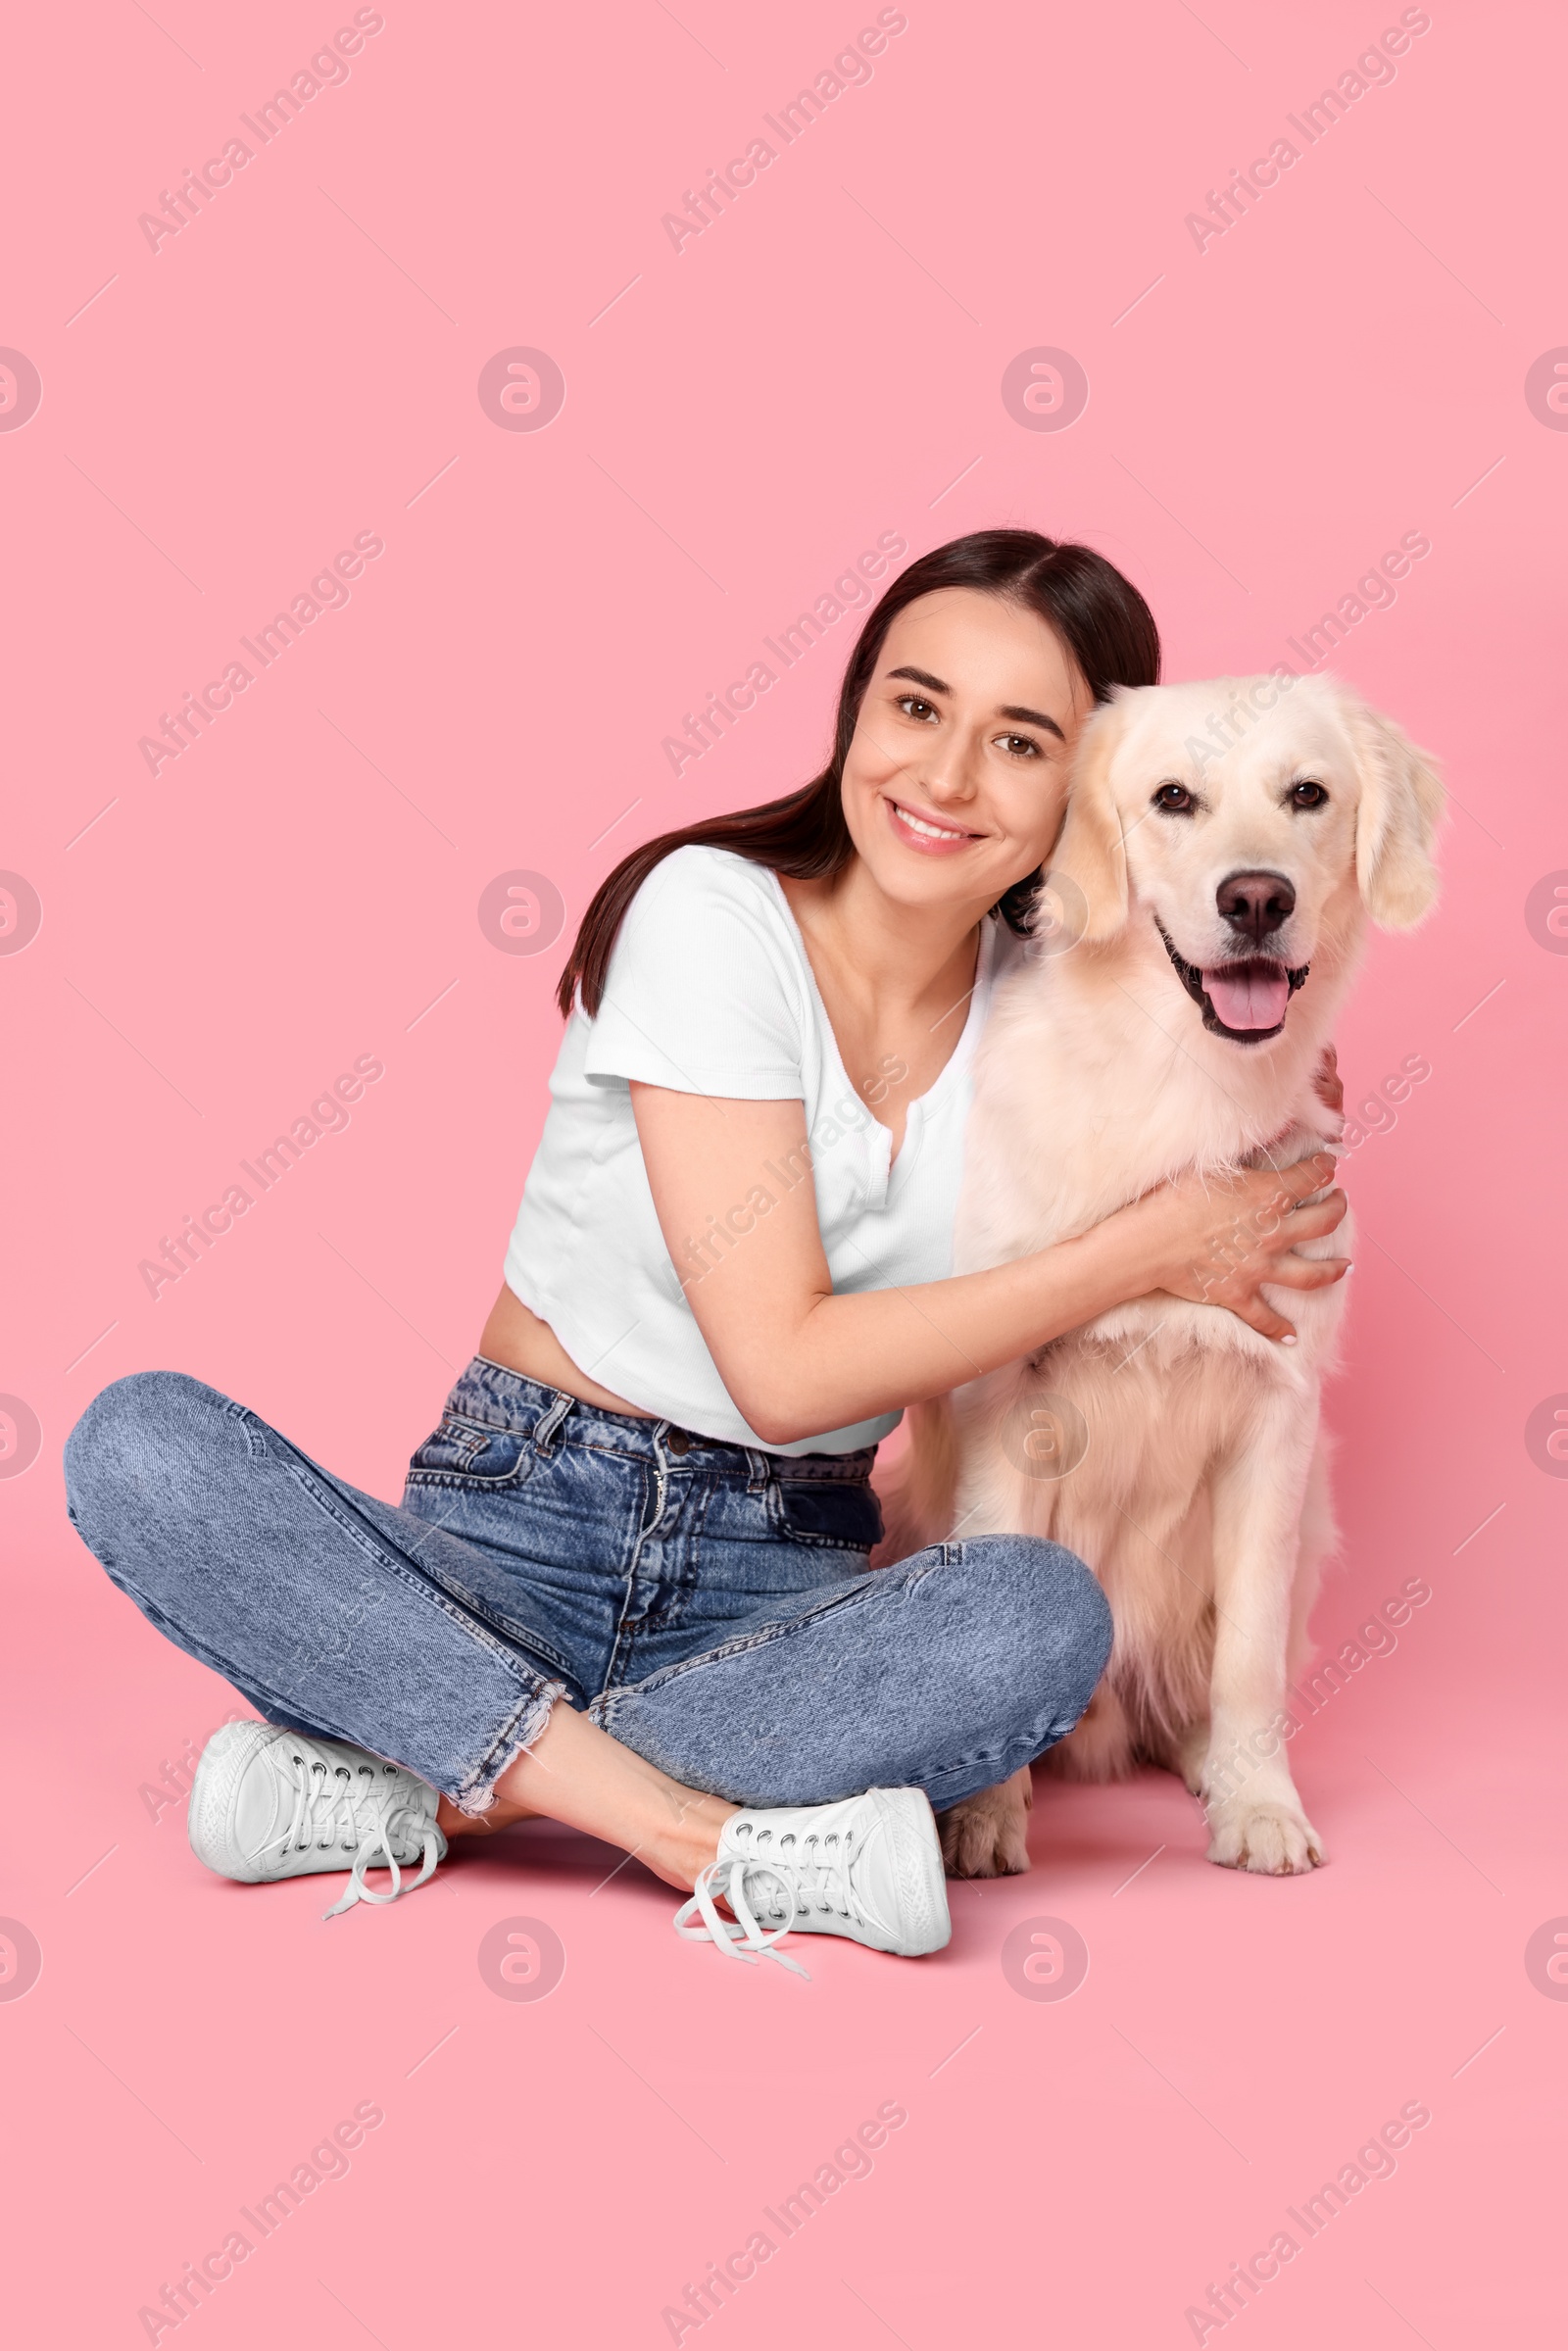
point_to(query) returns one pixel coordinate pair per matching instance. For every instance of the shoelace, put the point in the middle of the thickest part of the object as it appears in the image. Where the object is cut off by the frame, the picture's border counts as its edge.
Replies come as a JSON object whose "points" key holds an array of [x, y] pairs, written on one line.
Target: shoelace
{"points": [[814, 1875], [378, 1841], [741, 1936], [337, 1805]]}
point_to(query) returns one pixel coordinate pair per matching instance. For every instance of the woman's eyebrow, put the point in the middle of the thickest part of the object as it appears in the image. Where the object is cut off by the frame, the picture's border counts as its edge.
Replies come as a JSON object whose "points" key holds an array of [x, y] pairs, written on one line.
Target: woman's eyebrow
{"points": [[935, 685], [1033, 719]]}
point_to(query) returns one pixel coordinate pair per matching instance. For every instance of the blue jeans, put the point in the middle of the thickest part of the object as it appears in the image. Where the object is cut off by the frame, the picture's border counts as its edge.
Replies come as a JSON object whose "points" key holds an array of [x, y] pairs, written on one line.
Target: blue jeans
{"points": [[710, 1607]]}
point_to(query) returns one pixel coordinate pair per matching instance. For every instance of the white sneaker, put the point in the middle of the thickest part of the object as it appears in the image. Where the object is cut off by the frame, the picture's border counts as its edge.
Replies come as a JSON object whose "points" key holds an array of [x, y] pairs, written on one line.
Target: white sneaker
{"points": [[868, 1868], [267, 1804]]}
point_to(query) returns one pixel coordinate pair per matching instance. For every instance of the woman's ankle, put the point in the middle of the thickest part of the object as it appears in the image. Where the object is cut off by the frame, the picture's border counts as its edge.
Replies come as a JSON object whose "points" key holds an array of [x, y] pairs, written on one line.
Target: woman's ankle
{"points": [[453, 1822], [680, 1853]]}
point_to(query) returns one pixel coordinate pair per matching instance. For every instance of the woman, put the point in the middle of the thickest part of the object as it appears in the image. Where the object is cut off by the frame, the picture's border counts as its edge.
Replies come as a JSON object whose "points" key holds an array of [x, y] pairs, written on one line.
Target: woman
{"points": [[628, 1588]]}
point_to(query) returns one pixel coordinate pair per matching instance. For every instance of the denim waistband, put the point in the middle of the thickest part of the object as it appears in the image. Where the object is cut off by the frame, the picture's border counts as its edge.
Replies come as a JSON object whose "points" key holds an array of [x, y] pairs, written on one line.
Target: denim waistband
{"points": [[500, 1399]]}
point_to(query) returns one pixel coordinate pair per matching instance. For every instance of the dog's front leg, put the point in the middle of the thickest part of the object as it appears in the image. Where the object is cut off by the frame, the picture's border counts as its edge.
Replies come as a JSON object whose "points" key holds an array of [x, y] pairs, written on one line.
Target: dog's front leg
{"points": [[1255, 1815]]}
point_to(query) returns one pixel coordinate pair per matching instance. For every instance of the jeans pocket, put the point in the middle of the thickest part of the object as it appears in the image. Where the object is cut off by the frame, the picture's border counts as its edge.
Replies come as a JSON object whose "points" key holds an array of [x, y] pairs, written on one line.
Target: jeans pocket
{"points": [[470, 1452], [822, 1512]]}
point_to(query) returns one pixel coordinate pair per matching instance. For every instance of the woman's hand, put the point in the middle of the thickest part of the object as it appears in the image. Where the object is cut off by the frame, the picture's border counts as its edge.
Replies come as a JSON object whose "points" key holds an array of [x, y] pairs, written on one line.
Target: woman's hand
{"points": [[1329, 1086], [1226, 1235]]}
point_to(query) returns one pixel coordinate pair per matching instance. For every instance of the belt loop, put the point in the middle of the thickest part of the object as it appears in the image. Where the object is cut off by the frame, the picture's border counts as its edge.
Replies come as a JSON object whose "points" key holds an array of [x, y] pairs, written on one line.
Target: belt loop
{"points": [[544, 1432], [761, 1467]]}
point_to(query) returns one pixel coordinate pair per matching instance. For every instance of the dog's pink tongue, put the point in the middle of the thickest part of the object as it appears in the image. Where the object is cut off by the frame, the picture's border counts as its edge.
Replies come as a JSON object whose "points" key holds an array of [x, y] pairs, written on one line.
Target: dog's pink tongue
{"points": [[1249, 995]]}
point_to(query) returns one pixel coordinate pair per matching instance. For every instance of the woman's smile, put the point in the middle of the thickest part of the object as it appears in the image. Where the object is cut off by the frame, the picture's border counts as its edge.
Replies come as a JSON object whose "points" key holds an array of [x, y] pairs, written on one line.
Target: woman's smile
{"points": [[931, 836]]}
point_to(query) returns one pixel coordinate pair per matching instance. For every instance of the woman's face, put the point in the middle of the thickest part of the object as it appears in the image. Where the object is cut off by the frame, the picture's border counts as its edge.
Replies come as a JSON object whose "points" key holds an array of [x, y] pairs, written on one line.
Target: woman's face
{"points": [[956, 777]]}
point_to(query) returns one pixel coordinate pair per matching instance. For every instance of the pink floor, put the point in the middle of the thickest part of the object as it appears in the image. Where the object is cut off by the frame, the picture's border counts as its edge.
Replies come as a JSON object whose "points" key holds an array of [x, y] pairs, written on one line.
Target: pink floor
{"points": [[1371, 354]]}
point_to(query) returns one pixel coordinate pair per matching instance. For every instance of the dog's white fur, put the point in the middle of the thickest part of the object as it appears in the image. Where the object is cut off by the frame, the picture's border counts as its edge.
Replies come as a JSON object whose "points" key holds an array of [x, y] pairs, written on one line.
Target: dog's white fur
{"points": [[1202, 1501]]}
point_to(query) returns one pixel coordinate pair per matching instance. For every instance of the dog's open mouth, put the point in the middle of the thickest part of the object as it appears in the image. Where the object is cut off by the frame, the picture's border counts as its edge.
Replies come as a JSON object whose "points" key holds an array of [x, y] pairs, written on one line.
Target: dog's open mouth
{"points": [[1245, 999]]}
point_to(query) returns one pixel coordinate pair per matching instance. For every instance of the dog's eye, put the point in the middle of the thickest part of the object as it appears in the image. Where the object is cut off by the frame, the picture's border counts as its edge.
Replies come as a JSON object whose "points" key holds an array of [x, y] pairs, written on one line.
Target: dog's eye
{"points": [[1174, 799], [1307, 795]]}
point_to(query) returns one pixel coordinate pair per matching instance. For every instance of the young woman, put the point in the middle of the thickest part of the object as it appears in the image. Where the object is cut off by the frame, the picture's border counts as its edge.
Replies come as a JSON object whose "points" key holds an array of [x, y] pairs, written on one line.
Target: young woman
{"points": [[627, 1588]]}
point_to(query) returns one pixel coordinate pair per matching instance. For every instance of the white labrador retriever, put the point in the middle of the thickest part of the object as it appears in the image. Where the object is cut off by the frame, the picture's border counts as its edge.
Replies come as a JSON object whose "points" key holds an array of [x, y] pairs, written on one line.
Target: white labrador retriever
{"points": [[1223, 849]]}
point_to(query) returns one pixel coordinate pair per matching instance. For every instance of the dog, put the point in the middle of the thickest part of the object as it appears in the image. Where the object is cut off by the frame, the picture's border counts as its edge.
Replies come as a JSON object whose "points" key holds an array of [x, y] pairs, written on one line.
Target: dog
{"points": [[1224, 848]]}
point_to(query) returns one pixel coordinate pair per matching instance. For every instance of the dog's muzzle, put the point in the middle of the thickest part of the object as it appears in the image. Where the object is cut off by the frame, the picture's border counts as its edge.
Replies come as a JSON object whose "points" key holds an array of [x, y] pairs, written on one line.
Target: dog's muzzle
{"points": [[1245, 999]]}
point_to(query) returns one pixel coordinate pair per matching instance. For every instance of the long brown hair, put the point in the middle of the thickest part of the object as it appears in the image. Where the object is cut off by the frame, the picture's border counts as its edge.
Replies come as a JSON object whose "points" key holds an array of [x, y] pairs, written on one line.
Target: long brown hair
{"points": [[1101, 618]]}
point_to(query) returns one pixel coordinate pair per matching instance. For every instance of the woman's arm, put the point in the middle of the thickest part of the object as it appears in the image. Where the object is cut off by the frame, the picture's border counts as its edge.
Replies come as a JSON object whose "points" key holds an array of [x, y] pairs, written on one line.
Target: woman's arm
{"points": [[798, 1360]]}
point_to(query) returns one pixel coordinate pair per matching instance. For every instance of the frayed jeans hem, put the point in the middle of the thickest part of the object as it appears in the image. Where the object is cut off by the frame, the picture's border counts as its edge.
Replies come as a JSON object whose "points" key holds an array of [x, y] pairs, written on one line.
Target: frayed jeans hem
{"points": [[478, 1794]]}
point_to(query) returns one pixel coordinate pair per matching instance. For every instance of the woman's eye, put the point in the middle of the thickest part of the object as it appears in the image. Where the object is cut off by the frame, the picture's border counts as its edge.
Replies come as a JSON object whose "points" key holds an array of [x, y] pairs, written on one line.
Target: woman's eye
{"points": [[913, 707], [1307, 795], [1174, 799], [1019, 746]]}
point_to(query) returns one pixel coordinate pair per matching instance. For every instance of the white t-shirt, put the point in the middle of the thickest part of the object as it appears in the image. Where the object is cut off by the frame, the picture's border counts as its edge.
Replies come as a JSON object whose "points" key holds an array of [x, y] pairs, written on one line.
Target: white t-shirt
{"points": [[710, 991]]}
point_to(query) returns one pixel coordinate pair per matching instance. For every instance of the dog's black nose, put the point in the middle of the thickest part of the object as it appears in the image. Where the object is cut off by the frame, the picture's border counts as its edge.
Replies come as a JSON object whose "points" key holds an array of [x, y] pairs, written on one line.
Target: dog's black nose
{"points": [[1256, 904]]}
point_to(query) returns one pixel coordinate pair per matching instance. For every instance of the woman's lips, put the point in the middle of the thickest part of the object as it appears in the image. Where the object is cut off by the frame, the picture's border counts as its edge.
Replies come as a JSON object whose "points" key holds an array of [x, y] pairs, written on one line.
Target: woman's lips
{"points": [[925, 833]]}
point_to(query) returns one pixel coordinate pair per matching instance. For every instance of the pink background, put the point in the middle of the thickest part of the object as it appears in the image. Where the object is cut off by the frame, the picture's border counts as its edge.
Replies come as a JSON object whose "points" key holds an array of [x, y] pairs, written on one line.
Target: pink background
{"points": [[1266, 417]]}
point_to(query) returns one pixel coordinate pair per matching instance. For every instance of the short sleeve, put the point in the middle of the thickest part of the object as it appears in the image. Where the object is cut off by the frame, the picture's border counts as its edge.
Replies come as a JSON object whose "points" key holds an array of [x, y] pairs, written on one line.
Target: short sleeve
{"points": [[705, 992]]}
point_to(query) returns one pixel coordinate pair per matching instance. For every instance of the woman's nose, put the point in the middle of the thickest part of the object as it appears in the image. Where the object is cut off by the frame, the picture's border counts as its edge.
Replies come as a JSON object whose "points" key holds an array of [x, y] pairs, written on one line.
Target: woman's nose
{"points": [[950, 771]]}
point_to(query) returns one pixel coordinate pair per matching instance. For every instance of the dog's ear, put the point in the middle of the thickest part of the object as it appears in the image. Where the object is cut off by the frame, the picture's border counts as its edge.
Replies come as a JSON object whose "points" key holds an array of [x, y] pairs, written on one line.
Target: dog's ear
{"points": [[1396, 824], [1090, 849]]}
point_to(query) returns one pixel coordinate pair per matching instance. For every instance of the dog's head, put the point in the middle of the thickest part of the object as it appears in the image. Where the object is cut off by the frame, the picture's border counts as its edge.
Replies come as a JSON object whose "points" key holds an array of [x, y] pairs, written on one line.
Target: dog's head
{"points": [[1251, 821]]}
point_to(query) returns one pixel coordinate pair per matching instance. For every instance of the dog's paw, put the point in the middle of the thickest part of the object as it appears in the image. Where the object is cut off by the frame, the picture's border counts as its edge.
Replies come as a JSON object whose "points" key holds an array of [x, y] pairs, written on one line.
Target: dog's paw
{"points": [[1278, 1840], [987, 1835]]}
